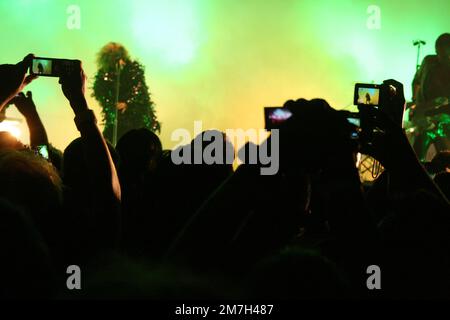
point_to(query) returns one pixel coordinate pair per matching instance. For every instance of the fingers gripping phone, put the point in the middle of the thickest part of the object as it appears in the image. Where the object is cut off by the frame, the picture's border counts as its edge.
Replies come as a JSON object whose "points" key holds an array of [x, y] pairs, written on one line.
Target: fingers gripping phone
{"points": [[51, 67]]}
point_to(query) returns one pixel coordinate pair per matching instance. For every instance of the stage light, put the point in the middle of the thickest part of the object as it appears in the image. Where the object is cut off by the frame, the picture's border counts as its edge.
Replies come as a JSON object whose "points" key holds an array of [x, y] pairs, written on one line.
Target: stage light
{"points": [[168, 31], [12, 127]]}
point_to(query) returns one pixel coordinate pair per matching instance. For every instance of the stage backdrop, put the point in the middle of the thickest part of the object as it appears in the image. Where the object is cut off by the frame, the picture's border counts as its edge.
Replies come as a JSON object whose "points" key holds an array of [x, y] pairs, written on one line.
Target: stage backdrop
{"points": [[222, 61]]}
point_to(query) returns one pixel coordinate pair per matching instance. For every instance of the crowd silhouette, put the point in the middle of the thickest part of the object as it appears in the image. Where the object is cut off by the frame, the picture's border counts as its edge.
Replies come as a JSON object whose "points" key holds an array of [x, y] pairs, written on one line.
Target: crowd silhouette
{"points": [[140, 226]]}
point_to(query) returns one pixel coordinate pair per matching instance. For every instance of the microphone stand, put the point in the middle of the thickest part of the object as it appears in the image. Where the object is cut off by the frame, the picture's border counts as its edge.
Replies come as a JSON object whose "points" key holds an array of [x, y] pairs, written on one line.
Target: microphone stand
{"points": [[418, 43], [116, 104]]}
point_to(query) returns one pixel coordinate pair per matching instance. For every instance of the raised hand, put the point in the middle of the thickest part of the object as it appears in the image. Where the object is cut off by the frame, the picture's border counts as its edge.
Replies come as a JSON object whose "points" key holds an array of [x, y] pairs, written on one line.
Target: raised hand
{"points": [[13, 78], [73, 87], [25, 104]]}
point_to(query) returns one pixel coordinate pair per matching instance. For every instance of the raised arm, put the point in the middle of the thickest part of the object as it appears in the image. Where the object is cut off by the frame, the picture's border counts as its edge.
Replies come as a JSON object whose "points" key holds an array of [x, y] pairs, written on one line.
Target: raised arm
{"points": [[101, 170], [26, 106], [392, 148]]}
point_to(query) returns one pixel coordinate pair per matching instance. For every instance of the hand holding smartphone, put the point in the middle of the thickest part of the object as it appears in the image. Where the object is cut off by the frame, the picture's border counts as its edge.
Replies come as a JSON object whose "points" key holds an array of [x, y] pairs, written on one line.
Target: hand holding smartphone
{"points": [[51, 67]]}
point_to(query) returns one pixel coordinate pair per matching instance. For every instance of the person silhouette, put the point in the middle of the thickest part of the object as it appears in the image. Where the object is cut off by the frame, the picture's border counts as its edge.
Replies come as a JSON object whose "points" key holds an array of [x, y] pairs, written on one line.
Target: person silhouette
{"points": [[40, 68], [431, 88], [367, 98]]}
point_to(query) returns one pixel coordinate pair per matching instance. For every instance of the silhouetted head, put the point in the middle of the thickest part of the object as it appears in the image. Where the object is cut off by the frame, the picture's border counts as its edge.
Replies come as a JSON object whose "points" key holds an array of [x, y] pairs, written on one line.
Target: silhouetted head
{"points": [[8, 141], [212, 147], [32, 184], [201, 166], [75, 167], [216, 155], [310, 139], [111, 54], [139, 150], [443, 48]]}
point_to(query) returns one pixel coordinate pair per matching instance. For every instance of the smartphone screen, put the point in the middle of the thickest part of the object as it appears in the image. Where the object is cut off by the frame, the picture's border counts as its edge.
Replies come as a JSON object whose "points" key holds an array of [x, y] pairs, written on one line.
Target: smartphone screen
{"points": [[356, 122], [51, 67], [43, 151], [275, 116], [367, 94], [42, 67]]}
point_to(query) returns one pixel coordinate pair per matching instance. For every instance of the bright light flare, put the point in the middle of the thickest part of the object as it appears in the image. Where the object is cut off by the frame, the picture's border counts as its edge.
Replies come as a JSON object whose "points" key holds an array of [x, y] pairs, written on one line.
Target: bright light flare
{"points": [[12, 127]]}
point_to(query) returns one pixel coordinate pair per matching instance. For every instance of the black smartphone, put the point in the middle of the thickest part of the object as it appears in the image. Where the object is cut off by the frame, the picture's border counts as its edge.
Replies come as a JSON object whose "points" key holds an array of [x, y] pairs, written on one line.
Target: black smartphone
{"points": [[367, 94], [354, 119], [50, 67], [275, 116]]}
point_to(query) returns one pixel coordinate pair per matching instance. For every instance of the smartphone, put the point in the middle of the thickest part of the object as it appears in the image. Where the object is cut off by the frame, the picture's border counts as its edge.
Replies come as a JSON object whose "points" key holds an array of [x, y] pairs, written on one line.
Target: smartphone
{"points": [[275, 116], [356, 121], [50, 67], [43, 151], [367, 94]]}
